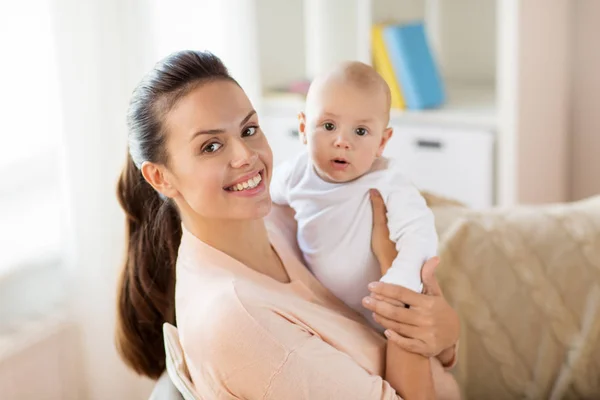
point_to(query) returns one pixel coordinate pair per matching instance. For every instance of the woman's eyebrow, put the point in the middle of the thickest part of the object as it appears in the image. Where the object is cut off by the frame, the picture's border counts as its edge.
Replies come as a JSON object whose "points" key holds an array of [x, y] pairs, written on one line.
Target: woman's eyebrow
{"points": [[250, 114], [219, 131], [207, 132]]}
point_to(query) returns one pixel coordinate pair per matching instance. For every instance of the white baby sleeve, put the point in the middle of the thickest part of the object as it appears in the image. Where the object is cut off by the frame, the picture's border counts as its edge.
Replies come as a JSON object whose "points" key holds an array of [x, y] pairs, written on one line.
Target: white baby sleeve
{"points": [[412, 228]]}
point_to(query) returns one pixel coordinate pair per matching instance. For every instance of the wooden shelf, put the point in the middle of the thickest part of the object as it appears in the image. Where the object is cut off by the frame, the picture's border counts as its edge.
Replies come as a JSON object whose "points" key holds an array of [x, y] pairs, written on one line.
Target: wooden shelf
{"points": [[467, 105]]}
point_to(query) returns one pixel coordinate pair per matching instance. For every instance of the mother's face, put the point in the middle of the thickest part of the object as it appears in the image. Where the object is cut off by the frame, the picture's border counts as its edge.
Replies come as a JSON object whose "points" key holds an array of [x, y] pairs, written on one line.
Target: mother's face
{"points": [[220, 162]]}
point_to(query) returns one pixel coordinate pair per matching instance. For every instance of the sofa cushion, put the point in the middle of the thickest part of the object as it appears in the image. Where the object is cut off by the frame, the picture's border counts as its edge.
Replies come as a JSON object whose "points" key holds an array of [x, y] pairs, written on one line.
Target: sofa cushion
{"points": [[526, 283]]}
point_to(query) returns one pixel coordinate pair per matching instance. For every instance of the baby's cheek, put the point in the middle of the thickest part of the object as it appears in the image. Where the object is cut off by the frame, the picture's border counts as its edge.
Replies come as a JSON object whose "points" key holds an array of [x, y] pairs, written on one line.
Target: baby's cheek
{"points": [[366, 160], [318, 151]]}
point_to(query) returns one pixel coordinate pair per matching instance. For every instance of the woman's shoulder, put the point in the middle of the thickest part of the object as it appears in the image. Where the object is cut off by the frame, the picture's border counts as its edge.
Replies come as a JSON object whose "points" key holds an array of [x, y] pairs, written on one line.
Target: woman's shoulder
{"points": [[238, 330], [211, 311], [230, 308], [224, 343], [216, 295]]}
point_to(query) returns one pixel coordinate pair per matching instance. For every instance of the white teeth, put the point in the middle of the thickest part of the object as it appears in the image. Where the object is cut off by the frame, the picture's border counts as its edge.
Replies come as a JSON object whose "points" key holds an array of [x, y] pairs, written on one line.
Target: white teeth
{"points": [[249, 184]]}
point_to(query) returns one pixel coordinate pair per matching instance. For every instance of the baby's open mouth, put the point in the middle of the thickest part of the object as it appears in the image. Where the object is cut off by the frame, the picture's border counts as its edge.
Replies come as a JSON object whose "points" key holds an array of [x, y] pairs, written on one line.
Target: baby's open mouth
{"points": [[340, 161]]}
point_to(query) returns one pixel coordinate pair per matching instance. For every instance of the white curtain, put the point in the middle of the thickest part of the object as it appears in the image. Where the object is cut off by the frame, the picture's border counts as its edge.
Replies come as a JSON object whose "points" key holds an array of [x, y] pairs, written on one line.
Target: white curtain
{"points": [[30, 234], [95, 83], [104, 48], [225, 27]]}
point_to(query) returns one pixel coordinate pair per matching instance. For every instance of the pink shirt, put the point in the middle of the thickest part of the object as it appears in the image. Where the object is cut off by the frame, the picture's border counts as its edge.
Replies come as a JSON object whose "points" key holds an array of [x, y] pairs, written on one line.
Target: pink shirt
{"points": [[248, 336]]}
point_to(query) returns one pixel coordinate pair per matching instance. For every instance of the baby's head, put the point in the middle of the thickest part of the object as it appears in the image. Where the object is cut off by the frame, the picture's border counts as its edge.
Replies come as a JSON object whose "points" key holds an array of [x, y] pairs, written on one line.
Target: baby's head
{"points": [[345, 123]]}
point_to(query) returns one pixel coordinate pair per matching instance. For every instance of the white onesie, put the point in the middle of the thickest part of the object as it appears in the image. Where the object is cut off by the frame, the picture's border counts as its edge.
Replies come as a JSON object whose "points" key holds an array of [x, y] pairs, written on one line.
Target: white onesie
{"points": [[335, 224]]}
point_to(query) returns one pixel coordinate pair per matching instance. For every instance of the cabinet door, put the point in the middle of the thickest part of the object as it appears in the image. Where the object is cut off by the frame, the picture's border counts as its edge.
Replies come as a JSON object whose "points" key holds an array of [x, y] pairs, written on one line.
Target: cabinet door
{"points": [[449, 162], [282, 134]]}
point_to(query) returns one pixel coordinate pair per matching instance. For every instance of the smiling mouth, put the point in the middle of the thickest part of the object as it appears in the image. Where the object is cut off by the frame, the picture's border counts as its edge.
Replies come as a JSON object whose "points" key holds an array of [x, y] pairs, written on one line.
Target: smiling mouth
{"points": [[248, 184]]}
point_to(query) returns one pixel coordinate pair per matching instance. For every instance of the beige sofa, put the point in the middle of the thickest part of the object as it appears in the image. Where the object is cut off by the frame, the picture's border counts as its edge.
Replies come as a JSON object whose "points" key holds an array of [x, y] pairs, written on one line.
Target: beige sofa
{"points": [[526, 283]]}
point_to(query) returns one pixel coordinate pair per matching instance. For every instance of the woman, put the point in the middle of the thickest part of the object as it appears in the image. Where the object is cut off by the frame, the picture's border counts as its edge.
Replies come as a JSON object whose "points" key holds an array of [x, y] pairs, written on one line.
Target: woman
{"points": [[253, 322]]}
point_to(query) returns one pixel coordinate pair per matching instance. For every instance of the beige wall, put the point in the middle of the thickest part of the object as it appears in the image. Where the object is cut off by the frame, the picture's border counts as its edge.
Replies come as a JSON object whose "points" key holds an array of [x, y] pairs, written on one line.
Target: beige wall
{"points": [[543, 88], [585, 119]]}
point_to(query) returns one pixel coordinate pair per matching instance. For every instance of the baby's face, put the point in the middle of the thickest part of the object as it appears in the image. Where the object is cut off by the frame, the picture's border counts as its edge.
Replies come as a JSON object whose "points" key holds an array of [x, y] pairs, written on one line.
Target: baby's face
{"points": [[345, 128]]}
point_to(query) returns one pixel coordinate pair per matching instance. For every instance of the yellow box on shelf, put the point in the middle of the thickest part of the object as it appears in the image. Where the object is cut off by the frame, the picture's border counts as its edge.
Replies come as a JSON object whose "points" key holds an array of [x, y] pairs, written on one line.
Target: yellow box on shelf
{"points": [[383, 65]]}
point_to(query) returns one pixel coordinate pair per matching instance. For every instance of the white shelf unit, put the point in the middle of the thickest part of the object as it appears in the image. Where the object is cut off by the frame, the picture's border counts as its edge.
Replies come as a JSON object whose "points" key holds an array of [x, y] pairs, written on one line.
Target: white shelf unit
{"points": [[300, 38], [467, 106], [493, 56]]}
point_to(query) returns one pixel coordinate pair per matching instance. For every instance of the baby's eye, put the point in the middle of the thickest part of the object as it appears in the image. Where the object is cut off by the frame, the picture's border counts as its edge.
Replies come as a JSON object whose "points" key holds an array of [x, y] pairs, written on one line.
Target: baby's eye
{"points": [[250, 131], [329, 126], [361, 131], [212, 147]]}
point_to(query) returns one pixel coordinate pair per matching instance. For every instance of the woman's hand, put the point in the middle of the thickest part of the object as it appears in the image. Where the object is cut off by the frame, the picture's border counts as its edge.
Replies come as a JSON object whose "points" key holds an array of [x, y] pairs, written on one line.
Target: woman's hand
{"points": [[383, 248], [430, 326]]}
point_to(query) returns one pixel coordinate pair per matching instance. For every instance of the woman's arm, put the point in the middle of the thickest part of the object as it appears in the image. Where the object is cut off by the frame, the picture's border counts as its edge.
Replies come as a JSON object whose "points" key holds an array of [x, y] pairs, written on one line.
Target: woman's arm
{"points": [[430, 327], [412, 228], [409, 373]]}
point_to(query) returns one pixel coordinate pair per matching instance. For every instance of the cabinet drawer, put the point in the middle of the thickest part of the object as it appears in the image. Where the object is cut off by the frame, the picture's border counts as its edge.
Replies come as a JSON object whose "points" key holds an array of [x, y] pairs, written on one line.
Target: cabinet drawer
{"points": [[282, 134], [450, 162], [455, 163]]}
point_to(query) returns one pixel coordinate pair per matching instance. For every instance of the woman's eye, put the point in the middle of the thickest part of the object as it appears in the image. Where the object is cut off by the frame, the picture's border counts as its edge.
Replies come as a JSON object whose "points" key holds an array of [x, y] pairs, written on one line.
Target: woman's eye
{"points": [[250, 131], [328, 126], [212, 147], [361, 131]]}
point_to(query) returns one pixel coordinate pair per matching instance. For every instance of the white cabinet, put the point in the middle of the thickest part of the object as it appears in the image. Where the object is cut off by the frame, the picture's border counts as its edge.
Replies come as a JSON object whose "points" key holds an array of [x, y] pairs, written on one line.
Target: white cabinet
{"points": [[471, 54], [451, 162]]}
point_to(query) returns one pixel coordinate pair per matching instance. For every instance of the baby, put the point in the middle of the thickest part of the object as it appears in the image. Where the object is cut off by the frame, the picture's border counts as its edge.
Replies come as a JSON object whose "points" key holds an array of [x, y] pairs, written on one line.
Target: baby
{"points": [[345, 126]]}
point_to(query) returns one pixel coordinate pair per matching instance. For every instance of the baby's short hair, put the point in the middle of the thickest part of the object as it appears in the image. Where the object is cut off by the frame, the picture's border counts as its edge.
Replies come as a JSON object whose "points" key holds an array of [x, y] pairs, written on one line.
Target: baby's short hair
{"points": [[361, 75]]}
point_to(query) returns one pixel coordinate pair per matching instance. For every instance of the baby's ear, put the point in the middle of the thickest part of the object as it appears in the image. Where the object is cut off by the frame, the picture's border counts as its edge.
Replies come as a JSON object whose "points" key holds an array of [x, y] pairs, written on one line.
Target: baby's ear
{"points": [[387, 135], [302, 127]]}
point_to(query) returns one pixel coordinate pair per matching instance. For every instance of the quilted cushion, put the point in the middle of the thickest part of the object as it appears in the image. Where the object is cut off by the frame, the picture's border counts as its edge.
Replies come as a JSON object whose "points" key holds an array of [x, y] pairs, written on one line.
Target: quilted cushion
{"points": [[526, 283]]}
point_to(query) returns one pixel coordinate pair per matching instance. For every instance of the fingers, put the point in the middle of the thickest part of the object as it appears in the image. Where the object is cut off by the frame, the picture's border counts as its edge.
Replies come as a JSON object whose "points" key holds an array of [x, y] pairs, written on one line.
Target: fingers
{"points": [[391, 312], [430, 283], [383, 298], [398, 293], [412, 345], [379, 211], [406, 330]]}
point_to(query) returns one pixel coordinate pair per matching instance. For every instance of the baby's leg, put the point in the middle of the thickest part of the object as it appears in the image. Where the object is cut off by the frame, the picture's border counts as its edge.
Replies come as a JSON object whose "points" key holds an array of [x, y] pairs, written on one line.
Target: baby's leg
{"points": [[445, 385]]}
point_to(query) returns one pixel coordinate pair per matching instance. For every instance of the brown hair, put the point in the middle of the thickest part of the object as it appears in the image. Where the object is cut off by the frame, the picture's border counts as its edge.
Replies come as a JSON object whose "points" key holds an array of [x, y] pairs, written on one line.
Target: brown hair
{"points": [[147, 283]]}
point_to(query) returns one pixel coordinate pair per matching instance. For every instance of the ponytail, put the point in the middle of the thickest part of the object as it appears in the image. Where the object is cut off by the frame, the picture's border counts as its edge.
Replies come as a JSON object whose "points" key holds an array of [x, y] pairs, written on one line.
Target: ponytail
{"points": [[147, 285], [146, 298]]}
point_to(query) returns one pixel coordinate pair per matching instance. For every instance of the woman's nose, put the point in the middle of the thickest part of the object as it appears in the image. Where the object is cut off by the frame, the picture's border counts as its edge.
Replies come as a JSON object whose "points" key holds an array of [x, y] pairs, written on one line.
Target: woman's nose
{"points": [[243, 155]]}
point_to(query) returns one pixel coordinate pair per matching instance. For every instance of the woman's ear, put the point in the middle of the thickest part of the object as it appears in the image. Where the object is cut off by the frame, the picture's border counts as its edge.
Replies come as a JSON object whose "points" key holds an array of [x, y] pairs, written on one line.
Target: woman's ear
{"points": [[302, 127], [159, 178], [387, 135]]}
